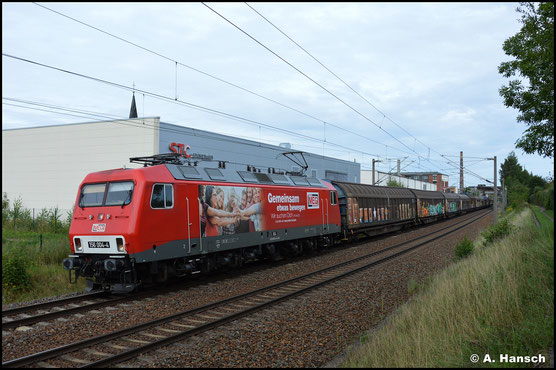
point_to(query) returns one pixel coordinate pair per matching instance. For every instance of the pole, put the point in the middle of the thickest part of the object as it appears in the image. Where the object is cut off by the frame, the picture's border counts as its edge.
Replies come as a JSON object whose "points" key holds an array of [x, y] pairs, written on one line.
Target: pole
{"points": [[503, 195], [495, 187], [373, 181], [374, 161], [460, 172]]}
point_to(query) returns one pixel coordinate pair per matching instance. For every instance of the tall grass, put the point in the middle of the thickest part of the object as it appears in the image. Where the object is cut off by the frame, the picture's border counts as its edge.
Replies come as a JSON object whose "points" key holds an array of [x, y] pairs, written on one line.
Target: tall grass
{"points": [[55, 246], [42, 266], [497, 301], [31, 269]]}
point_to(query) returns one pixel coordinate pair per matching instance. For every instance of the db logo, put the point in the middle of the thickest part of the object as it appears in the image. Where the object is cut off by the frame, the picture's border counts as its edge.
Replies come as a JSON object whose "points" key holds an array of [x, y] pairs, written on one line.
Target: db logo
{"points": [[312, 200], [99, 227]]}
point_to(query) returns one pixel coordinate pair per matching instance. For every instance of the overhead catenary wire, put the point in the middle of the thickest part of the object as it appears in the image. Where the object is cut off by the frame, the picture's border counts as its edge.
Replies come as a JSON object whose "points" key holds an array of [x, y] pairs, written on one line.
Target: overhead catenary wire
{"points": [[52, 111], [96, 115], [143, 125], [87, 114], [211, 76], [242, 119], [329, 70], [335, 75], [190, 105], [122, 122], [239, 87], [328, 91], [308, 77]]}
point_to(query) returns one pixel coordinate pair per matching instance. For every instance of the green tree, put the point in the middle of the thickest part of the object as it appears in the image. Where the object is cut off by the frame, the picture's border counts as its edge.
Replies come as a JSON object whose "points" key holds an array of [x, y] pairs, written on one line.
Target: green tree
{"points": [[16, 211], [533, 93], [521, 184], [518, 193], [5, 209], [394, 183], [510, 170], [536, 181]]}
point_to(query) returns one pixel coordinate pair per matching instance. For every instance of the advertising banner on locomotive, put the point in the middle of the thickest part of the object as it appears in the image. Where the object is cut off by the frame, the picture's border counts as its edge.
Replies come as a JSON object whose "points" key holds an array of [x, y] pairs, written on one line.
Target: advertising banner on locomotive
{"points": [[251, 209]]}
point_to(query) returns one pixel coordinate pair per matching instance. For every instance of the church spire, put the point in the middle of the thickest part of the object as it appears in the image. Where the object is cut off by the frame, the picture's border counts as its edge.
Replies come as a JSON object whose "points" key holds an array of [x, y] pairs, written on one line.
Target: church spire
{"points": [[133, 110]]}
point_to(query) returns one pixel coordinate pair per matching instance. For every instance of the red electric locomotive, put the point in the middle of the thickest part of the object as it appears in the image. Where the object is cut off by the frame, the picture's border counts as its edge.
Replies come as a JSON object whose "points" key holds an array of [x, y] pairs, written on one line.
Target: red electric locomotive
{"points": [[136, 226], [133, 226]]}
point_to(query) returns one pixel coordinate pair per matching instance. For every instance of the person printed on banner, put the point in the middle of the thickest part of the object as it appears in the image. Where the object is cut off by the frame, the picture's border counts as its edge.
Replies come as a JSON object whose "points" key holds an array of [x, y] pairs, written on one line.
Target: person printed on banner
{"points": [[231, 207], [254, 211], [243, 226], [215, 217]]}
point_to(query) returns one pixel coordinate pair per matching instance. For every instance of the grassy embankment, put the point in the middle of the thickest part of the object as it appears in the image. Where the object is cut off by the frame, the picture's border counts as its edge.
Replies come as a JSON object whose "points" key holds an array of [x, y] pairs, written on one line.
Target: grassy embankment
{"points": [[31, 272], [549, 212], [499, 300]]}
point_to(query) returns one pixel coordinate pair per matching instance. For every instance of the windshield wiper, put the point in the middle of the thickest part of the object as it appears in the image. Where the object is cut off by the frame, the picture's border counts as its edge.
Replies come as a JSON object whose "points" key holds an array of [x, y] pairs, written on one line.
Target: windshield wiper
{"points": [[129, 192]]}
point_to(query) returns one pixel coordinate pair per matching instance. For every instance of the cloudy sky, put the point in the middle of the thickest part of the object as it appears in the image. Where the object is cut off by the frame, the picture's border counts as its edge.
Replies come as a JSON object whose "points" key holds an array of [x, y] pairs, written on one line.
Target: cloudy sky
{"points": [[411, 81]]}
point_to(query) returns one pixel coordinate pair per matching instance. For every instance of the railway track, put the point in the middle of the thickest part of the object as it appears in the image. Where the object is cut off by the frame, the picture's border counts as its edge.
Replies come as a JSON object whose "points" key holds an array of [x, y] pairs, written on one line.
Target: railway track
{"points": [[19, 316], [132, 341], [46, 311]]}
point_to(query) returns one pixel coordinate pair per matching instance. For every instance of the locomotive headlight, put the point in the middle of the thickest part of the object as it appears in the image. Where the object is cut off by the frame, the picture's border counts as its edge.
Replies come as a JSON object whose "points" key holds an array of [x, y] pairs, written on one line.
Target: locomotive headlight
{"points": [[78, 247], [120, 244]]}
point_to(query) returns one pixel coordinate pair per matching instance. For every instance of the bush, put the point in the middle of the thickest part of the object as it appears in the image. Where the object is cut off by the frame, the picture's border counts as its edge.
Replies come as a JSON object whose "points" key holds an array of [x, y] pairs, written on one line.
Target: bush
{"points": [[543, 197], [463, 249], [550, 201], [5, 209], [498, 231], [15, 276], [17, 217], [394, 183]]}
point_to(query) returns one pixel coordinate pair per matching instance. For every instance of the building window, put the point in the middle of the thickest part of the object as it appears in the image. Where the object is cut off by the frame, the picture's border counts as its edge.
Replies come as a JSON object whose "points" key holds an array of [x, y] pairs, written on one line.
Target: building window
{"points": [[336, 176]]}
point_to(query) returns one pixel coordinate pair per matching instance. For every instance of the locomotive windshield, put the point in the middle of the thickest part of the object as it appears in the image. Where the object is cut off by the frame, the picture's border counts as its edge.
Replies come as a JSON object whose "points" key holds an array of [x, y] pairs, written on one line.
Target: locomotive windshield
{"points": [[117, 194]]}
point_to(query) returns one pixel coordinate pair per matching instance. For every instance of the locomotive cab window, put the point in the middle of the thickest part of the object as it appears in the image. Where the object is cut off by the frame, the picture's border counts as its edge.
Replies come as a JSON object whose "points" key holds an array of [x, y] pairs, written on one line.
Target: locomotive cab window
{"points": [[98, 195], [162, 196], [119, 193], [92, 195], [333, 198]]}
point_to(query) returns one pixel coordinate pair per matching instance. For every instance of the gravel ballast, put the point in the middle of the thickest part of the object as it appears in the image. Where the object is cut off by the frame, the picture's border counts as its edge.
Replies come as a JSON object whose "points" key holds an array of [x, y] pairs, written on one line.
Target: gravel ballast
{"points": [[307, 331]]}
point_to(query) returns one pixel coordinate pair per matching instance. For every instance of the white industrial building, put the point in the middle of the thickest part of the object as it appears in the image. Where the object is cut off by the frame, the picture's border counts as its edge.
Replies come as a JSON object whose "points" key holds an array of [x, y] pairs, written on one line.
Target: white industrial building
{"points": [[43, 166]]}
